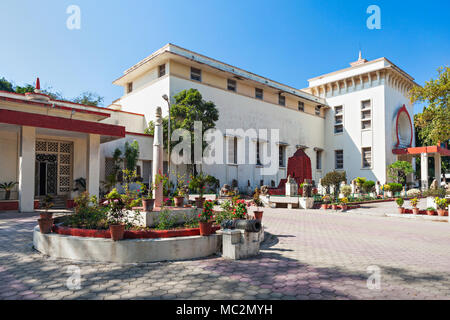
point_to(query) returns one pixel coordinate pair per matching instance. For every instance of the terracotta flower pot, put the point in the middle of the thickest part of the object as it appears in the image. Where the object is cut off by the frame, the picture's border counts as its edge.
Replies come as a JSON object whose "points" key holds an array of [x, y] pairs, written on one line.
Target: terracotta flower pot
{"points": [[199, 202], [415, 210], [258, 215], [401, 210], [205, 228], [45, 225], [442, 212], [431, 212], [148, 204], [117, 231], [179, 201], [46, 215], [334, 206], [325, 206]]}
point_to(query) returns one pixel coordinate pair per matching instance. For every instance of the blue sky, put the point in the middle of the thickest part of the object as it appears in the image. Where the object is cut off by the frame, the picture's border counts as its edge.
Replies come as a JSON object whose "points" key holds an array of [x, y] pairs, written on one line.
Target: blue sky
{"points": [[287, 41]]}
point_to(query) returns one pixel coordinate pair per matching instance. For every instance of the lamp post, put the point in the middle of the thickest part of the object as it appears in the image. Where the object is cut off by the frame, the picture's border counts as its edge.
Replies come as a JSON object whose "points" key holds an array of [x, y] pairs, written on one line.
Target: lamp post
{"points": [[165, 97]]}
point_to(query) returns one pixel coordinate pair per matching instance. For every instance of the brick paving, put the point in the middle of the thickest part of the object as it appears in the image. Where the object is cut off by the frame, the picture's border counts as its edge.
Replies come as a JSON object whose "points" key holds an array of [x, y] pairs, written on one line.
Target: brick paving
{"points": [[307, 255]]}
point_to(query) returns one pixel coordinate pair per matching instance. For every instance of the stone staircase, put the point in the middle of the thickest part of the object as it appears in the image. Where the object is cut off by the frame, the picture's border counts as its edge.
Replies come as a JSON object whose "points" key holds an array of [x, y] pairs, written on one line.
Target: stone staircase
{"points": [[59, 202]]}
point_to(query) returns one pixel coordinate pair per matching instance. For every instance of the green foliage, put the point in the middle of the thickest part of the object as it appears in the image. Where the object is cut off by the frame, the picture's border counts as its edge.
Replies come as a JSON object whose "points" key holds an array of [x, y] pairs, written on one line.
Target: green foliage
{"points": [[198, 183], [189, 107], [368, 185], [346, 190], [399, 170], [89, 99], [8, 186], [116, 207], [395, 187], [431, 209], [131, 155], [441, 203], [440, 192], [207, 212], [433, 123], [414, 202], [167, 220], [360, 181], [334, 178], [400, 202], [5, 85], [88, 214]]}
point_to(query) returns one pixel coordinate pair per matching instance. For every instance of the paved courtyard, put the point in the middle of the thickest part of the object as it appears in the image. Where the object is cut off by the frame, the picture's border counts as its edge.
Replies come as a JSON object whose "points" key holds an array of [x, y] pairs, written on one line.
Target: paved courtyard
{"points": [[306, 255]]}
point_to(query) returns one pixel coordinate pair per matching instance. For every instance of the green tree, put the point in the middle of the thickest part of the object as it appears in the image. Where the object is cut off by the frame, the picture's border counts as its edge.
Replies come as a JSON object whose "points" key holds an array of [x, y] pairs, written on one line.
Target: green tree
{"points": [[334, 178], [131, 155], [189, 107], [89, 98], [399, 170], [434, 122], [5, 85]]}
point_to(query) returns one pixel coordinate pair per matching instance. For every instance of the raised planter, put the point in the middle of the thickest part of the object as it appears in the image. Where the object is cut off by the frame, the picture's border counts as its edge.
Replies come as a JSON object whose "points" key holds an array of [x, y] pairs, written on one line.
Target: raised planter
{"points": [[13, 205], [125, 251]]}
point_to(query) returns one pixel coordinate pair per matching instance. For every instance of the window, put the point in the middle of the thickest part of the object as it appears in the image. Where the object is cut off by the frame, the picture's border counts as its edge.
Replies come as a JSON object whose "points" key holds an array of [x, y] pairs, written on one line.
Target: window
{"points": [[259, 93], [301, 106], [281, 100], [282, 156], [338, 119], [258, 153], [319, 160], [162, 70], [366, 115], [129, 87], [232, 150], [366, 157], [231, 85], [317, 109], [196, 74], [339, 159]]}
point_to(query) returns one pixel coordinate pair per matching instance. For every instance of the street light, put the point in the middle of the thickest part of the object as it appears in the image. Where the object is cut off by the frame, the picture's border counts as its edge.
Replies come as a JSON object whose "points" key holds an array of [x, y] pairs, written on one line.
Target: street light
{"points": [[165, 97]]}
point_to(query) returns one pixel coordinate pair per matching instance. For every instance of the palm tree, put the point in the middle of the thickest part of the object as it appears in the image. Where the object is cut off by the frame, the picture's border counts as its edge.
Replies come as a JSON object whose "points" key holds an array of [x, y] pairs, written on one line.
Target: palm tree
{"points": [[7, 186]]}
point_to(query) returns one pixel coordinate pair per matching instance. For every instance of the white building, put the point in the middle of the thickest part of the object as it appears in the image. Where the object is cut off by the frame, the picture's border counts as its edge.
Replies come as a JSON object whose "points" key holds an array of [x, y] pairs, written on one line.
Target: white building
{"points": [[345, 120]]}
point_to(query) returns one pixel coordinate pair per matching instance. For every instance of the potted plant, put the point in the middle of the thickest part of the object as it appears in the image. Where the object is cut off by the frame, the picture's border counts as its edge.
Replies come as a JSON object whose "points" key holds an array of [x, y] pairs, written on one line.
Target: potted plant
{"points": [[400, 201], [205, 218], [431, 211], [334, 206], [46, 218], [115, 214], [344, 202], [239, 210], [441, 204], [258, 203], [7, 186], [325, 202], [181, 191], [199, 183], [414, 203]]}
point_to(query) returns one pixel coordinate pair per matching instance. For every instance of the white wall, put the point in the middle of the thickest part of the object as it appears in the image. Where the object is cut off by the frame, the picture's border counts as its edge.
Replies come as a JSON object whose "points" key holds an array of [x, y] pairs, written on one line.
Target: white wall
{"points": [[9, 160]]}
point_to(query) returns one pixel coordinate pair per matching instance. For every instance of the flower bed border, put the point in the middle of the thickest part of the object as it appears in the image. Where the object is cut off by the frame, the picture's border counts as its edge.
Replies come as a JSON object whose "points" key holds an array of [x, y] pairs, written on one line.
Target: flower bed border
{"points": [[129, 234]]}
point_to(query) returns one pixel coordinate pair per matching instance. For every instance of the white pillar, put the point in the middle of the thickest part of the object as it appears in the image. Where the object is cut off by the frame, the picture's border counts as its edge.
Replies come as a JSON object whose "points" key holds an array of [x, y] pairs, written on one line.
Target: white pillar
{"points": [[27, 158], [93, 164], [158, 157], [437, 169], [424, 170]]}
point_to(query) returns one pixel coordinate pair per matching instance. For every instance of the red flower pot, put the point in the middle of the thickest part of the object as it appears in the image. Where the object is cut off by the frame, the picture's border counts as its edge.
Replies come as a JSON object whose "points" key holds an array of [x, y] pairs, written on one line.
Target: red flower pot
{"points": [[401, 210], [334, 206], [46, 215], [325, 206], [179, 201], [117, 231], [45, 225], [205, 228], [442, 212], [431, 212], [415, 210], [199, 202], [148, 204], [258, 215]]}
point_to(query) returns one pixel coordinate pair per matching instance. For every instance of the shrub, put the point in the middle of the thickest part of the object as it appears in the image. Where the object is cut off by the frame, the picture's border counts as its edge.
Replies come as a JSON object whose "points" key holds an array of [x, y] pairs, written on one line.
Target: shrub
{"points": [[166, 220], [395, 187], [334, 178], [414, 202], [413, 193], [385, 187], [400, 202], [440, 192], [240, 209], [346, 190], [360, 181], [207, 212], [368, 185], [344, 200], [431, 209], [441, 203]]}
